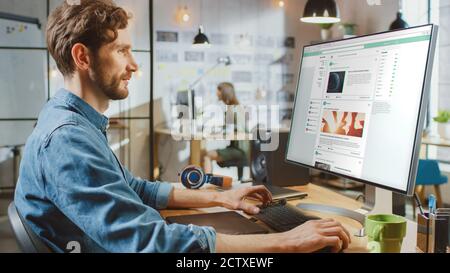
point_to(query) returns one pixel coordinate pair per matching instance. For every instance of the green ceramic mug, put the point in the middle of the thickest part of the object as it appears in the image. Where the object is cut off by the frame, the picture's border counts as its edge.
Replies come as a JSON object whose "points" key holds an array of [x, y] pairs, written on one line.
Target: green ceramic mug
{"points": [[385, 233]]}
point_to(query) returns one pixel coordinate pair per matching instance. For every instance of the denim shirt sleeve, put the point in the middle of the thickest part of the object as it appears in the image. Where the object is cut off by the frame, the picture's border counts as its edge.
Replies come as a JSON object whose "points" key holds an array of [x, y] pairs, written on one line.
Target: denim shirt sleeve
{"points": [[90, 189], [153, 194]]}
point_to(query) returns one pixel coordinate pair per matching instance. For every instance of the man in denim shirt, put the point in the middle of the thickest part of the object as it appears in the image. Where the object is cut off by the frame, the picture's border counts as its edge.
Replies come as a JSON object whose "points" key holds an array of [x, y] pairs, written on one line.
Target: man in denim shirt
{"points": [[73, 188]]}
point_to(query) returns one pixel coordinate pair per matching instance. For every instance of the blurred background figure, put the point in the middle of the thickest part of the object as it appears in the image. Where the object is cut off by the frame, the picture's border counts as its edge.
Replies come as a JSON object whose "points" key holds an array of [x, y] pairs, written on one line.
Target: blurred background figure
{"points": [[236, 152]]}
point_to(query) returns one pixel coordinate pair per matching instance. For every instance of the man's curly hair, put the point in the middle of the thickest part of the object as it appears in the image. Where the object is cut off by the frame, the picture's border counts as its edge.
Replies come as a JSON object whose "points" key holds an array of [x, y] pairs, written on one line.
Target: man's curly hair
{"points": [[92, 23]]}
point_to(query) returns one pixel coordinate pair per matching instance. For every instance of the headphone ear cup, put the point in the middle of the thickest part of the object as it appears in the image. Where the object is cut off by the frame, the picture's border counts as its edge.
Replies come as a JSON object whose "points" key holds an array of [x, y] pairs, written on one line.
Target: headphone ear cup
{"points": [[192, 177]]}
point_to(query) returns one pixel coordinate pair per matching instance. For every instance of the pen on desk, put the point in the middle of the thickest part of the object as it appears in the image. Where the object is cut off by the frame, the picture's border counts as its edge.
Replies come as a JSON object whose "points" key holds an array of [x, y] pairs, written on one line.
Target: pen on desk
{"points": [[419, 204], [432, 204]]}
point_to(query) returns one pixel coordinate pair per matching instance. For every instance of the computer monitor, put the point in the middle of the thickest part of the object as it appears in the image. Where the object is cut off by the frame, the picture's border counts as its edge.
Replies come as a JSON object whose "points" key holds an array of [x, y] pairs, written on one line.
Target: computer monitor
{"points": [[360, 107], [186, 98]]}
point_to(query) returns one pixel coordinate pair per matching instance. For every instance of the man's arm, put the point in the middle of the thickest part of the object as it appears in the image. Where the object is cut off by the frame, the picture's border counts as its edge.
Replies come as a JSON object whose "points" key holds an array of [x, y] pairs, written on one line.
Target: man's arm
{"points": [[181, 198], [151, 193], [309, 237], [231, 199]]}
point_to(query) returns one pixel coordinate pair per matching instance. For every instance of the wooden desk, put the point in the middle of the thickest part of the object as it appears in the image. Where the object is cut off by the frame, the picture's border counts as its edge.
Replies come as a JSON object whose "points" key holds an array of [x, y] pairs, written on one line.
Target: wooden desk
{"points": [[436, 141], [316, 194]]}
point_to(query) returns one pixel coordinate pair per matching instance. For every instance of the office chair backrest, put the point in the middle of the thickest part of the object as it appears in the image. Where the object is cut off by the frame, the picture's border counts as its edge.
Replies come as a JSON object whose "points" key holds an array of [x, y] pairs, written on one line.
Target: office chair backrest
{"points": [[428, 173], [28, 241]]}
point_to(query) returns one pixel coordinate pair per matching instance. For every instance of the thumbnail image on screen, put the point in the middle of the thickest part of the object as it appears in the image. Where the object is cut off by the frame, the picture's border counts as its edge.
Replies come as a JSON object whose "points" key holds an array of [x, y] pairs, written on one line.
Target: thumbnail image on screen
{"points": [[343, 123], [336, 82]]}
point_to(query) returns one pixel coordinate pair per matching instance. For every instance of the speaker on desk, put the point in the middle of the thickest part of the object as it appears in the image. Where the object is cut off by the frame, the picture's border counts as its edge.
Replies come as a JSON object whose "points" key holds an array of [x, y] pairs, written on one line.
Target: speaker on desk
{"points": [[270, 167], [258, 163]]}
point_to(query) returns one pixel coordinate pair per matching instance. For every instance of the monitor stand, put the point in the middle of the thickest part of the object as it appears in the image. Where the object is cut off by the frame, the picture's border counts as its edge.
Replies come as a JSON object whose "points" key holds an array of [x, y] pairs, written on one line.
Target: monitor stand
{"points": [[376, 201]]}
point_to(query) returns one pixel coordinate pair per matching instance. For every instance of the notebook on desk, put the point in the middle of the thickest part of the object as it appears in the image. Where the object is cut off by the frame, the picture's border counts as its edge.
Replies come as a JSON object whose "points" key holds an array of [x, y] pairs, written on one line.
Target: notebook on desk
{"points": [[228, 222]]}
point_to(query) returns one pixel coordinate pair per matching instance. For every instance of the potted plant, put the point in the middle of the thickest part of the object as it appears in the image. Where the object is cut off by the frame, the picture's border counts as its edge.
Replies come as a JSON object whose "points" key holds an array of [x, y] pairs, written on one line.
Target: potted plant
{"points": [[443, 119], [348, 29]]}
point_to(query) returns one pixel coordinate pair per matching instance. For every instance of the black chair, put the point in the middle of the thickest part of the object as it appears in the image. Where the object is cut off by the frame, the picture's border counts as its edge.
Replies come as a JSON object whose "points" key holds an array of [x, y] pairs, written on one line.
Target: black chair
{"points": [[28, 241]]}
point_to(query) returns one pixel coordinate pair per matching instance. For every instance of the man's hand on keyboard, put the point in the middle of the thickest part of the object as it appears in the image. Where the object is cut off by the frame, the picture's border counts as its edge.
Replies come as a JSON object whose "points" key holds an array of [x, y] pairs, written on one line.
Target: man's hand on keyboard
{"points": [[316, 235]]}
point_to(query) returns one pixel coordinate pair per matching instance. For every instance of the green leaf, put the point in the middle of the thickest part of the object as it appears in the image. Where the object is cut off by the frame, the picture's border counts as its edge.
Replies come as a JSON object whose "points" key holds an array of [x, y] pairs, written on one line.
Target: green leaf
{"points": [[443, 117]]}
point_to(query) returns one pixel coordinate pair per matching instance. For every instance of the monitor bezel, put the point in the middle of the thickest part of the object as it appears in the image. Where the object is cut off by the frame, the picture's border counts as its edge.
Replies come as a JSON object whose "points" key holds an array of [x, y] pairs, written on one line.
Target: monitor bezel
{"points": [[425, 94]]}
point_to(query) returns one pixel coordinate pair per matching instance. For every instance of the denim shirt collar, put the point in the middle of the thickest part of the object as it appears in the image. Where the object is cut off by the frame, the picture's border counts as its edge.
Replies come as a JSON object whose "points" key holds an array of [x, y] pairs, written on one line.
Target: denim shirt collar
{"points": [[98, 120]]}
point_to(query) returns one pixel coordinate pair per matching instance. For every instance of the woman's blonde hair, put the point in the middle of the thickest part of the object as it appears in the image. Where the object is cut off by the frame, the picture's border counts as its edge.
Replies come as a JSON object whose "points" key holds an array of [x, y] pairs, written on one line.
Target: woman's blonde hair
{"points": [[227, 93]]}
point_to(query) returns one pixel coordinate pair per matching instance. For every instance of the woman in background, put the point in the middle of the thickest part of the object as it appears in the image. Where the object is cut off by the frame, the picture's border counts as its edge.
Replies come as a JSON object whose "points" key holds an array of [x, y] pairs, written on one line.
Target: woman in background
{"points": [[234, 153]]}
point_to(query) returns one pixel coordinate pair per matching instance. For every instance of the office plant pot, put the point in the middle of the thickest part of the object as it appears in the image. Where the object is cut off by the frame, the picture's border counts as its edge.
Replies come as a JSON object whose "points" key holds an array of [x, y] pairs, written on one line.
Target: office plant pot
{"points": [[348, 30], [444, 130]]}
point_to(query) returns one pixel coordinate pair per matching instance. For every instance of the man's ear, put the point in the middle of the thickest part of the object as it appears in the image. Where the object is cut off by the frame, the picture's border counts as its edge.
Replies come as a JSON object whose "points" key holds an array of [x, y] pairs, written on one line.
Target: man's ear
{"points": [[81, 56]]}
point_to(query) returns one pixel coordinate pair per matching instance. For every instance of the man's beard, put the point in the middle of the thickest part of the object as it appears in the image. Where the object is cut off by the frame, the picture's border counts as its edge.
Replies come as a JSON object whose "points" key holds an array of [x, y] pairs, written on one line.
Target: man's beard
{"points": [[110, 86]]}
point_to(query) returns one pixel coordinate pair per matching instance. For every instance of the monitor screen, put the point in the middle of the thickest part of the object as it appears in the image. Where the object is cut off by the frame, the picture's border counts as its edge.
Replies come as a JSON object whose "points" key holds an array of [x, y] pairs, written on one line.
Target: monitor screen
{"points": [[183, 99], [360, 106]]}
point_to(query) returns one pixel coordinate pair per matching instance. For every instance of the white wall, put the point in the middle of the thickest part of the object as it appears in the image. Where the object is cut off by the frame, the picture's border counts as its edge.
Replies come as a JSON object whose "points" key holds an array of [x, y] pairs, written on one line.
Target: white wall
{"points": [[23, 82], [29, 8], [23, 79]]}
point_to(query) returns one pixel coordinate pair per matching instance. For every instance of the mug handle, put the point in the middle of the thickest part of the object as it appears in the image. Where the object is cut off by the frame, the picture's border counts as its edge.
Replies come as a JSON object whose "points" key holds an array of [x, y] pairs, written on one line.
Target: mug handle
{"points": [[374, 246], [378, 233]]}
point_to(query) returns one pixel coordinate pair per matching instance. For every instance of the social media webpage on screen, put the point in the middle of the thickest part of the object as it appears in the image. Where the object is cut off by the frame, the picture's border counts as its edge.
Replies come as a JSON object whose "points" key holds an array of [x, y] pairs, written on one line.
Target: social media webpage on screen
{"points": [[357, 106]]}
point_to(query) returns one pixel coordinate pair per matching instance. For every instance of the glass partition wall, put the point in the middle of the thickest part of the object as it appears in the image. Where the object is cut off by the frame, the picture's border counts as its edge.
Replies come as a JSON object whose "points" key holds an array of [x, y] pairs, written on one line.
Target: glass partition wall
{"points": [[29, 78]]}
